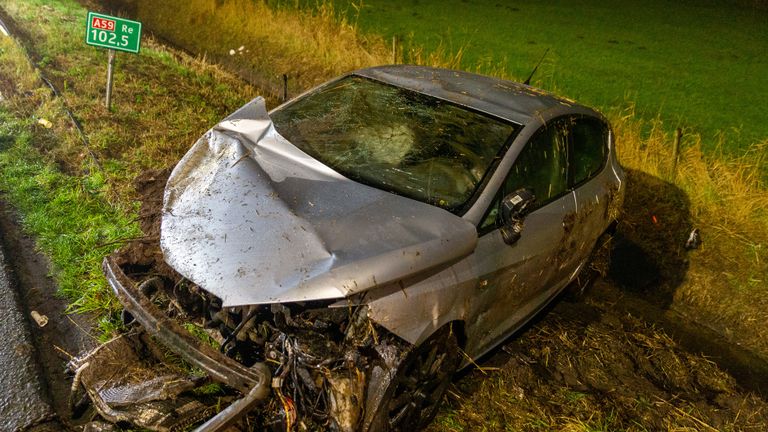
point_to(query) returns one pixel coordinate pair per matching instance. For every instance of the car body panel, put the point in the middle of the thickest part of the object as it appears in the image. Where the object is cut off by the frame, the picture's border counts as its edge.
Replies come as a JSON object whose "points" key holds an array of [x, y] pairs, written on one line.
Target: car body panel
{"points": [[491, 291], [252, 219], [515, 102]]}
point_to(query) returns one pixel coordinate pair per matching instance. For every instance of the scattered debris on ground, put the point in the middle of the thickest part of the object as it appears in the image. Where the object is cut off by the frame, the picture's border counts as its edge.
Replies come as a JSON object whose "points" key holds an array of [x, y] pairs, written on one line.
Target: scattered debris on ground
{"points": [[126, 387]]}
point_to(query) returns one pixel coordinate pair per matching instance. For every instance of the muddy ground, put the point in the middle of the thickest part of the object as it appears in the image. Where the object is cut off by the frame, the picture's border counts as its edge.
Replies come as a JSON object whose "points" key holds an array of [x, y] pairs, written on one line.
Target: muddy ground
{"points": [[64, 335], [603, 360], [589, 364]]}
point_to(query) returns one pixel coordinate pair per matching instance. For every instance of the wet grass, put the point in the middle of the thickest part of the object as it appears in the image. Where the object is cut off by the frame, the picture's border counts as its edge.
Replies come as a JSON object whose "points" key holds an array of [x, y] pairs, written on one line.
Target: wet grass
{"points": [[69, 215]]}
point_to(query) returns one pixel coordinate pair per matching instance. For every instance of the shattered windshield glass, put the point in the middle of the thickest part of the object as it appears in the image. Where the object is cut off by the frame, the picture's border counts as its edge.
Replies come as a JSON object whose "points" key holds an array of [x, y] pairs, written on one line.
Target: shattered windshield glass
{"points": [[396, 139]]}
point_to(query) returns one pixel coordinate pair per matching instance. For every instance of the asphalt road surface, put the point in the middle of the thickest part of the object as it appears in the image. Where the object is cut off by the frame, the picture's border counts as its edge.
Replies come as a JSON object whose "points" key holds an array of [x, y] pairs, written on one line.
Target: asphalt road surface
{"points": [[24, 404]]}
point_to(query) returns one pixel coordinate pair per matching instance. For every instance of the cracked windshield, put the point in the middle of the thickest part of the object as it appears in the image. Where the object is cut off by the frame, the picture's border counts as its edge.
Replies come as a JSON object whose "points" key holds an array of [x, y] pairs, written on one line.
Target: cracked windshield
{"points": [[396, 139]]}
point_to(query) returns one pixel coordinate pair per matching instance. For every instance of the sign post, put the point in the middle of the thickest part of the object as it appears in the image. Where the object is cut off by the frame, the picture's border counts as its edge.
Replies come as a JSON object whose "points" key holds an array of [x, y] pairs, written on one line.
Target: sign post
{"points": [[110, 67], [113, 33]]}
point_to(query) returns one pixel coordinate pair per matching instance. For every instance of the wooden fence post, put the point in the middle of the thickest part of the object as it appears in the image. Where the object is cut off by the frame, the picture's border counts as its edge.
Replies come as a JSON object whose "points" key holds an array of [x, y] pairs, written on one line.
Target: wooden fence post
{"points": [[676, 151]]}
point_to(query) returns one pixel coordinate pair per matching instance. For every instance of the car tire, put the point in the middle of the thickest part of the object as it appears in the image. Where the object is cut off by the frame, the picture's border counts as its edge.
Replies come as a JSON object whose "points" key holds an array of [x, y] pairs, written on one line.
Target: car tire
{"points": [[413, 396]]}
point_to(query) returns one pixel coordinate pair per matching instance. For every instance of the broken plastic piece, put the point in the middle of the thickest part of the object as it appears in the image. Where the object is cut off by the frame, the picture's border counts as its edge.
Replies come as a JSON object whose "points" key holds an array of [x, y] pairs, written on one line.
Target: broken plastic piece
{"points": [[694, 240], [39, 318]]}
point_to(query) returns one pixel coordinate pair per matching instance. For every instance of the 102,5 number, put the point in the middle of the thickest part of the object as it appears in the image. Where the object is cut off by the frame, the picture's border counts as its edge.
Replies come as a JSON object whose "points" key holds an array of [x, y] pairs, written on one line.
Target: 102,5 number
{"points": [[109, 37]]}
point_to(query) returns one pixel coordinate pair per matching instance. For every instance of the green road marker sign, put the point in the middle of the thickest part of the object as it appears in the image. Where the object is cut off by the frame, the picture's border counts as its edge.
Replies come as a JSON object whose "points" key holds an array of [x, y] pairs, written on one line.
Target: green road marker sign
{"points": [[113, 33]]}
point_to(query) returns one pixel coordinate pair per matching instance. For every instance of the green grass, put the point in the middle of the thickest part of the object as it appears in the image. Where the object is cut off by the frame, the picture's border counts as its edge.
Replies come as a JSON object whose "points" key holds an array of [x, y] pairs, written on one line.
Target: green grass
{"points": [[698, 65], [77, 200], [70, 217]]}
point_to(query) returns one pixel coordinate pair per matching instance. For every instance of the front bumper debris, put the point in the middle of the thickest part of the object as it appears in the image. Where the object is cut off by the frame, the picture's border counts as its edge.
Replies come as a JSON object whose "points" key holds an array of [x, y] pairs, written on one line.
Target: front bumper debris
{"points": [[125, 386], [253, 382]]}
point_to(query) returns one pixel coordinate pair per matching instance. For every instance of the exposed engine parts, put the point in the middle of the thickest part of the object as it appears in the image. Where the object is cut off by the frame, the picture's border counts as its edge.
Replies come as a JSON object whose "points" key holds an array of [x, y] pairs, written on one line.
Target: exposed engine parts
{"points": [[320, 359]]}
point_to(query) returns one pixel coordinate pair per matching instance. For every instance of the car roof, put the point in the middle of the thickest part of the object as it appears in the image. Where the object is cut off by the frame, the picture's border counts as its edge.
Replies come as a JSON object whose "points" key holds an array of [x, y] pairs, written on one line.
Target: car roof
{"points": [[518, 103]]}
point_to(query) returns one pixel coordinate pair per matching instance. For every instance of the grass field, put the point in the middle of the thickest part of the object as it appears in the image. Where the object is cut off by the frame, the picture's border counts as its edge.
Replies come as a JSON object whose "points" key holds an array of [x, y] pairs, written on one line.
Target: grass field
{"points": [[700, 65]]}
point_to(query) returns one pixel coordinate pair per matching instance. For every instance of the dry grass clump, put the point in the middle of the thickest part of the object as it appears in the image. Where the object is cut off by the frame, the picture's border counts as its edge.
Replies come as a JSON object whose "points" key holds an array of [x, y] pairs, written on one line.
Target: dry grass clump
{"points": [[28, 79], [308, 46], [730, 189]]}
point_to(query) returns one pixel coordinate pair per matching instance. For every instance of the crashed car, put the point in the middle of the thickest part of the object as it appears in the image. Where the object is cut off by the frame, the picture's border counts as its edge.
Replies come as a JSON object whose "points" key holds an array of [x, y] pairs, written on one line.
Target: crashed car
{"points": [[357, 245]]}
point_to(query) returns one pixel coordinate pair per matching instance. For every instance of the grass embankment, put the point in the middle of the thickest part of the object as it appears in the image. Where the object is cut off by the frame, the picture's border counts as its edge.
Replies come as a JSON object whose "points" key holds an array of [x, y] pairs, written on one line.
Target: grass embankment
{"points": [[261, 43], [164, 100], [73, 193]]}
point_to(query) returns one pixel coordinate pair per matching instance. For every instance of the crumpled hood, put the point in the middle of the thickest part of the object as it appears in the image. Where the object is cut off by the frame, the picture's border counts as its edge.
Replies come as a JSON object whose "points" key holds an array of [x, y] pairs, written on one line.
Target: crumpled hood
{"points": [[252, 219]]}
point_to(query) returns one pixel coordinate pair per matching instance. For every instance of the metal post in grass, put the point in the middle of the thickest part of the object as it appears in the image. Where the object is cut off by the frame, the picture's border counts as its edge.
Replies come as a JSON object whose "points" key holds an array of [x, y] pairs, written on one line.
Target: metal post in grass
{"points": [[285, 87], [110, 67], [112, 33], [676, 151]]}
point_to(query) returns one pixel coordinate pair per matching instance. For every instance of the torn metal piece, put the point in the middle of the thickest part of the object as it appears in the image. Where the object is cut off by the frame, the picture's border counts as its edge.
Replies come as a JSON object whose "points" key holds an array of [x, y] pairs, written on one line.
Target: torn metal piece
{"points": [[124, 387], [167, 386], [694, 240], [220, 367], [39, 318]]}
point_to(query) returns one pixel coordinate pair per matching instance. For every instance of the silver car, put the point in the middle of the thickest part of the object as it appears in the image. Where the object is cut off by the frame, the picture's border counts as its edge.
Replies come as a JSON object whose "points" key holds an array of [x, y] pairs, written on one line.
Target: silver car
{"points": [[360, 243]]}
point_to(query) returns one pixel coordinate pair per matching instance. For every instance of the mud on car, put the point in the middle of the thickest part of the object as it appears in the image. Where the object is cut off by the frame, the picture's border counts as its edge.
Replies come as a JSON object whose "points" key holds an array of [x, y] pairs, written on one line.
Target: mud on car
{"points": [[334, 261]]}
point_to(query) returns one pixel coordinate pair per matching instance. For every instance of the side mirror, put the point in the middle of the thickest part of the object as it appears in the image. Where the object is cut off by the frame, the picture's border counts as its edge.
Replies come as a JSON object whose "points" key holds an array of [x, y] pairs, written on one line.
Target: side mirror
{"points": [[514, 208]]}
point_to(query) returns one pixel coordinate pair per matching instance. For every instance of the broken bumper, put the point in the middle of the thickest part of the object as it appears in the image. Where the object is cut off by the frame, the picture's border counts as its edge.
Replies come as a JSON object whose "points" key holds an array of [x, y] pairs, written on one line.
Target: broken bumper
{"points": [[252, 381]]}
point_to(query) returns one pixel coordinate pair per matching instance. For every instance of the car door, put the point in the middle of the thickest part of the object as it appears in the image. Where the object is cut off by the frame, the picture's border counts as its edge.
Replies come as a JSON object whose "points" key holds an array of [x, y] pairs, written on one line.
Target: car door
{"points": [[593, 188], [514, 281]]}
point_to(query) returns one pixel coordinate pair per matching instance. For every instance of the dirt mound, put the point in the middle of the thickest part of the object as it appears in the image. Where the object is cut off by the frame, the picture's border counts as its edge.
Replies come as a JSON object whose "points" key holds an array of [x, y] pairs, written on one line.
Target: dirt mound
{"points": [[144, 256], [587, 366]]}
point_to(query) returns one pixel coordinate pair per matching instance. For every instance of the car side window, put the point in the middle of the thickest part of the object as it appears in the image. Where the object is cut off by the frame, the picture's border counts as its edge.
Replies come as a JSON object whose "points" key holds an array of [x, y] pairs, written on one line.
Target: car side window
{"points": [[589, 148], [541, 166]]}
